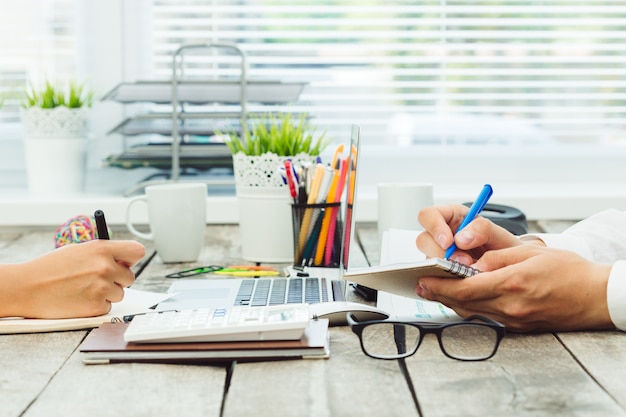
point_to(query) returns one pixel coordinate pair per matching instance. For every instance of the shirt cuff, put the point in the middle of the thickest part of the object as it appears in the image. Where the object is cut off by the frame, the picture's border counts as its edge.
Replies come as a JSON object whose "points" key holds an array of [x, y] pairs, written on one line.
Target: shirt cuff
{"points": [[566, 242], [616, 295]]}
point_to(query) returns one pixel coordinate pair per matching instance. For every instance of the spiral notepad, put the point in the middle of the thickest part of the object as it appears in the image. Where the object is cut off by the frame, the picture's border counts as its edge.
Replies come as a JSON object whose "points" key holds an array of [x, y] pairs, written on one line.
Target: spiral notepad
{"points": [[459, 269], [402, 278]]}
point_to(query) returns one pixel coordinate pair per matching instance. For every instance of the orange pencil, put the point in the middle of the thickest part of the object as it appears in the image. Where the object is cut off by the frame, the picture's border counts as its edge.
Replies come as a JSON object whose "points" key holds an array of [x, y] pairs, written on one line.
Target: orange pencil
{"points": [[338, 151]]}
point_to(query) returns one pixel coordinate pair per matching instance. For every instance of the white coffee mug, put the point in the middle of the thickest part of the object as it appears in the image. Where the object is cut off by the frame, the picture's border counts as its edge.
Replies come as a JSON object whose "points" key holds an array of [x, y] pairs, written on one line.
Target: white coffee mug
{"points": [[399, 203], [177, 219]]}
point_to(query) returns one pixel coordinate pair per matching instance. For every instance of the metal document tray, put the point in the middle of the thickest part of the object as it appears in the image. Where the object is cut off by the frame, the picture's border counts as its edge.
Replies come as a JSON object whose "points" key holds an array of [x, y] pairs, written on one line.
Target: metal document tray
{"points": [[196, 92]]}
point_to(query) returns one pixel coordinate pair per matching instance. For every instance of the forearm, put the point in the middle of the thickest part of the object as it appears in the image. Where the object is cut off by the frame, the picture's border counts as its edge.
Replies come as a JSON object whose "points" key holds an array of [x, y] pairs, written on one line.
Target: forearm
{"points": [[13, 287]]}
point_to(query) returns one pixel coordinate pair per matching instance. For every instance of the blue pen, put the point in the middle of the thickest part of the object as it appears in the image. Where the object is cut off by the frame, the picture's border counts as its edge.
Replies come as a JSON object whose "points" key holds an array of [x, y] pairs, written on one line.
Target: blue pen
{"points": [[477, 207], [281, 171]]}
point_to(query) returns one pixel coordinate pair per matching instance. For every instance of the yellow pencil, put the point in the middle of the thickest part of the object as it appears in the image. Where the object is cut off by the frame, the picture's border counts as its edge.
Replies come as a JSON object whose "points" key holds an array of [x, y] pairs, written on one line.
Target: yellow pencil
{"points": [[248, 273]]}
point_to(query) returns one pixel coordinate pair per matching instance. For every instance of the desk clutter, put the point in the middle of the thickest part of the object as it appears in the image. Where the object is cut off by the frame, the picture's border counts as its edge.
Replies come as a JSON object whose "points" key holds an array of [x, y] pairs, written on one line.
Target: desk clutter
{"points": [[317, 234], [317, 191], [43, 374], [210, 335]]}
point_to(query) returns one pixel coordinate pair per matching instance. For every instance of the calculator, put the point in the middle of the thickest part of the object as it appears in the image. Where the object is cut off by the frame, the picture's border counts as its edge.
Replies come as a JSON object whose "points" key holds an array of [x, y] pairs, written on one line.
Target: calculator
{"points": [[232, 324]]}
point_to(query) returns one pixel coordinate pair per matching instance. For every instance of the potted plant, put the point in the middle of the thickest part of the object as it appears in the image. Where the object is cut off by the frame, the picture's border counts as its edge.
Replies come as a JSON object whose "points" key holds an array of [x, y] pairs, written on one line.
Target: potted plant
{"points": [[55, 124], [269, 141], [264, 199]]}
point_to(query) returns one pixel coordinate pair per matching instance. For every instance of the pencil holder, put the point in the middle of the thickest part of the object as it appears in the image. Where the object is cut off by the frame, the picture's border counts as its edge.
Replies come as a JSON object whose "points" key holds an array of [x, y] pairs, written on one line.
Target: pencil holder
{"points": [[317, 230]]}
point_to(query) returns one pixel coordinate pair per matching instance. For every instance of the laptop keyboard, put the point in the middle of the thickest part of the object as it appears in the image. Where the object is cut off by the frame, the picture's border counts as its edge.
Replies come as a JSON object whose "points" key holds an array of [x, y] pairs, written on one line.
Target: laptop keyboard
{"points": [[261, 292]]}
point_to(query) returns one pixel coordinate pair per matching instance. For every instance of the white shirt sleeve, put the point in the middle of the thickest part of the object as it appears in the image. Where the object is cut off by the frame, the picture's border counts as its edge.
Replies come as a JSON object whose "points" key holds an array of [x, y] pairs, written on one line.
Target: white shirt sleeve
{"points": [[616, 295], [600, 238]]}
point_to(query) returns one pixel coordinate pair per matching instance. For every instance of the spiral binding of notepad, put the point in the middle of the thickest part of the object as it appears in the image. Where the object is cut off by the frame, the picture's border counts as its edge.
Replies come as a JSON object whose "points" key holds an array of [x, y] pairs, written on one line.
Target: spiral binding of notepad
{"points": [[462, 270]]}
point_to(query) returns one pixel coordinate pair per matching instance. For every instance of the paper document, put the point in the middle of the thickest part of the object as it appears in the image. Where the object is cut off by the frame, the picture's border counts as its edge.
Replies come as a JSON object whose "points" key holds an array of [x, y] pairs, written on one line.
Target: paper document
{"points": [[399, 246], [134, 302]]}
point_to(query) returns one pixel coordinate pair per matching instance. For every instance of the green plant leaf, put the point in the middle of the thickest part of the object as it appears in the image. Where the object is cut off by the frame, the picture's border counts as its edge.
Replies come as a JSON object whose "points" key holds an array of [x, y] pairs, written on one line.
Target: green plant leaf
{"points": [[277, 133], [72, 95]]}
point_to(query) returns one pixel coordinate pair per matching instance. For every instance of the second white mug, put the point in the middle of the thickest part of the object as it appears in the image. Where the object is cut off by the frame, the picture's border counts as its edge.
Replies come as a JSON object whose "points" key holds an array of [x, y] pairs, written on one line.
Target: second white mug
{"points": [[399, 203], [177, 219]]}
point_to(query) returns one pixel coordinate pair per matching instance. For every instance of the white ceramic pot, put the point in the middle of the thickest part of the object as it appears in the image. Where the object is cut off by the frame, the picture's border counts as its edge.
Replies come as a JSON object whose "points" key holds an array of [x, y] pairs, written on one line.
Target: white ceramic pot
{"points": [[55, 145], [265, 219]]}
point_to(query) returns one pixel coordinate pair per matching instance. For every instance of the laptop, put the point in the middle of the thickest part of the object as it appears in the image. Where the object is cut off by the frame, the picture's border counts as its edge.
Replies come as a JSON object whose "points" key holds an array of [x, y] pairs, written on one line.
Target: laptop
{"points": [[308, 285]]}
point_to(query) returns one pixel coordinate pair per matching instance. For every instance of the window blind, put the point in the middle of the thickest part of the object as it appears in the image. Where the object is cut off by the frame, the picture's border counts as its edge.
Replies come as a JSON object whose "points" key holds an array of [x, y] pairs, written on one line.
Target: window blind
{"points": [[37, 42], [445, 71]]}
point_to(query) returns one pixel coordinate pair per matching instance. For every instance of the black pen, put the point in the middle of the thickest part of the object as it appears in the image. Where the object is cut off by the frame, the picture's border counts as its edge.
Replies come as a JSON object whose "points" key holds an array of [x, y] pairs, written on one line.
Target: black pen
{"points": [[101, 225]]}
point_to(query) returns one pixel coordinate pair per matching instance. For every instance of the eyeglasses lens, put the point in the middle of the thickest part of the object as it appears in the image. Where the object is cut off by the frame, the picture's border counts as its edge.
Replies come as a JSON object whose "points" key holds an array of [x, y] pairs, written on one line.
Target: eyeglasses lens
{"points": [[390, 340], [469, 341]]}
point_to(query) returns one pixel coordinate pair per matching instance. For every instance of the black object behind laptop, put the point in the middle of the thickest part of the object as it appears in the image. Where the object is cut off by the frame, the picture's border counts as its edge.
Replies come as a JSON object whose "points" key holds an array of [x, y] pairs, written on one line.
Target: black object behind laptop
{"points": [[508, 217]]}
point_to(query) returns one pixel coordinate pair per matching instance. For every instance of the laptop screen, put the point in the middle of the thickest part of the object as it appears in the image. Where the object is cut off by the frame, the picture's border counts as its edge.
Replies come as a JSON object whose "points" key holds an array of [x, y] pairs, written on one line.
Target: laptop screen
{"points": [[351, 184]]}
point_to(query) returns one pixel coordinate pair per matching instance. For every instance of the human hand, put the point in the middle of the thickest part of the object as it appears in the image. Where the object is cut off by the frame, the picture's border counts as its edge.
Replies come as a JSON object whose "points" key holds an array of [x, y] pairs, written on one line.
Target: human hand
{"points": [[529, 288], [79, 280], [472, 241]]}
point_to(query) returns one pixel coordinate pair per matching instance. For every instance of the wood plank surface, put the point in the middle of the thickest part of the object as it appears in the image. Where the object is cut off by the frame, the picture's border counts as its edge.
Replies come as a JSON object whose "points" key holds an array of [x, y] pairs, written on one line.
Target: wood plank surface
{"points": [[603, 356], [131, 390], [28, 363], [346, 384], [531, 375]]}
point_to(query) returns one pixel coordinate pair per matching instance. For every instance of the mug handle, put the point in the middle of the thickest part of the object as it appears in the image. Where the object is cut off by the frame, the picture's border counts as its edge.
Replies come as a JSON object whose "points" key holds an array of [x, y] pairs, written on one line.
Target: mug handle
{"points": [[129, 225]]}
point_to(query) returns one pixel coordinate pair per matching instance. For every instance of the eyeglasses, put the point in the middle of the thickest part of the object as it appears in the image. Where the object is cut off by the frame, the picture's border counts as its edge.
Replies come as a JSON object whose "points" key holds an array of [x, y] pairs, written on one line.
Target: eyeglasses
{"points": [[476, 338]]}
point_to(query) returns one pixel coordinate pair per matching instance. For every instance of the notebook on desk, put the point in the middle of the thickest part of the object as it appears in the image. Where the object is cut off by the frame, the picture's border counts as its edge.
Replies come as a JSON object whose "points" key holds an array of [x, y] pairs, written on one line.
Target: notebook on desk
{"points": [[310, 285]]}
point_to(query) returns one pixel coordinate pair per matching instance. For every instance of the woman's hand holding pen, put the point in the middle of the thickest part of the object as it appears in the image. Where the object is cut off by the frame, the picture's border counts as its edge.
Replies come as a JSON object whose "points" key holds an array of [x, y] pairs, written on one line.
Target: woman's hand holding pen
{"points": [[78, 280]]}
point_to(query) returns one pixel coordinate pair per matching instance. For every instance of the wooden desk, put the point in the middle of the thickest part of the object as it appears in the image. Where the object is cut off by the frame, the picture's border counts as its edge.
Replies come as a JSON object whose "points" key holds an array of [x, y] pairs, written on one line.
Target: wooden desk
{"points": [[564, 374]]}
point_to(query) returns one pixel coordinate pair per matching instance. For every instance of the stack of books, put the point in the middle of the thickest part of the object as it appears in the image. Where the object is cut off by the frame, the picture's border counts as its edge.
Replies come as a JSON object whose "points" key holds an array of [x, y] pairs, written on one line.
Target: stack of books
{"points": [[106, 345]]}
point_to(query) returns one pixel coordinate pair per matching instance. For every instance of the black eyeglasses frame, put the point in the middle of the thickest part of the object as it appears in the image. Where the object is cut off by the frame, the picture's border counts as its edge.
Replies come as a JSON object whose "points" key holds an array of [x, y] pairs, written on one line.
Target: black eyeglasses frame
{"points": [[425, 328]]}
